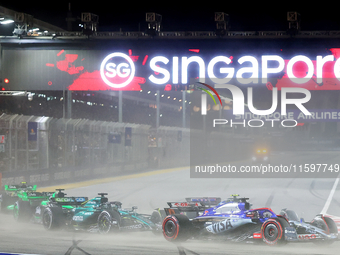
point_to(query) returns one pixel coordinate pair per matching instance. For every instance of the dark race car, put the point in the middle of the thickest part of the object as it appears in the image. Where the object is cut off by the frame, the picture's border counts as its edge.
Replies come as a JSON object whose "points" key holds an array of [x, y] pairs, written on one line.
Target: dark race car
{"points": [[27, 202], [192, 207], [58, 201], [234, 220], [98, 215], [9, 195]]}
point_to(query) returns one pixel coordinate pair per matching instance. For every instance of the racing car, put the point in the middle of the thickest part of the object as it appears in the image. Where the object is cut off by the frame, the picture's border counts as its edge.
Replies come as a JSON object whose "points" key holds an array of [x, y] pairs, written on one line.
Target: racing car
{"points": [[234, 220], [98, 215], [57, 200], [192, 207], [9, 195], [30, 204], [26, 204]]}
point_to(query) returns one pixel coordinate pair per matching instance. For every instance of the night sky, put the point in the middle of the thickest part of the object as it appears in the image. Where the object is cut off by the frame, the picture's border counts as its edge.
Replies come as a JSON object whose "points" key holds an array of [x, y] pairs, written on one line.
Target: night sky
{"points": [[177, 16]]}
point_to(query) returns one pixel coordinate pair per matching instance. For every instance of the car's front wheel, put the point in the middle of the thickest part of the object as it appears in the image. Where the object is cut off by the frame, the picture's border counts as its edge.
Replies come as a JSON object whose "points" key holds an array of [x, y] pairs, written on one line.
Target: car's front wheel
{"points": [[273, 231], [108, 221], [328, 225], [53, 218], [6, 200], [22, 211]]}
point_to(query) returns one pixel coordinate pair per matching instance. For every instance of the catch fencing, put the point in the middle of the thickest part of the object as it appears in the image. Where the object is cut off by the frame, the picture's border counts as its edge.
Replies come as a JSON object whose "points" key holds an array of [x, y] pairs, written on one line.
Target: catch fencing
{"points": [[48, 151]]}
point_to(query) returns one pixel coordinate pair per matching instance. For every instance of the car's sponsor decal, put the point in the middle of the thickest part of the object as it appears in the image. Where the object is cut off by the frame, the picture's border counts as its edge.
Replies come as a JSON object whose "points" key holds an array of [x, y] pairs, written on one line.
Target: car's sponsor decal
{"points": [[80, 199], [91, 203], [307, 237], [290, 234], [220, 226], [63, 199], [288, 231], [77, 218], [138, 226], [257, 235], [183, 204]]}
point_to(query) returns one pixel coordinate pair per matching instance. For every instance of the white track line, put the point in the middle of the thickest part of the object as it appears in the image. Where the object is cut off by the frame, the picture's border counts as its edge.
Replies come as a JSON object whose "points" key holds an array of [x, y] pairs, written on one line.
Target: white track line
{"points": [[330, 197]]}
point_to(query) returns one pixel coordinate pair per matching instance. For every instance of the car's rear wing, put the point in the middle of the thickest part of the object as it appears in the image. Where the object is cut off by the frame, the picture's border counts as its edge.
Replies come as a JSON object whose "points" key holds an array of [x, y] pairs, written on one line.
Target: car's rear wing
{"points": [[37, 195], [69, 200], [193, 206], [18, 187], [191, 202], [205, 201]]}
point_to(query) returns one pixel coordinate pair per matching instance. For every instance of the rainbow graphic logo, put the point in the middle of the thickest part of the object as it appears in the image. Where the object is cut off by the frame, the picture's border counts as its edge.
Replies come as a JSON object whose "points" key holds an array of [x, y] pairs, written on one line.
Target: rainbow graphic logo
{"points": [[204, 97]]}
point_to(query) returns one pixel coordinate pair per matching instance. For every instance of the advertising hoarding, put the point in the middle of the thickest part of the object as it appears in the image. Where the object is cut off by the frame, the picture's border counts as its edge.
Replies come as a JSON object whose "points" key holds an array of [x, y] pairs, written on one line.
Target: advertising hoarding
{"points": [[263, 65]]}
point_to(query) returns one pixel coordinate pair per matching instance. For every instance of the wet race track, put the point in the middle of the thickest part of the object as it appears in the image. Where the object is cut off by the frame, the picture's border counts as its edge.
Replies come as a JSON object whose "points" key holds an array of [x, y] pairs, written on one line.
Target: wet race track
{"points": [[307, 196]]}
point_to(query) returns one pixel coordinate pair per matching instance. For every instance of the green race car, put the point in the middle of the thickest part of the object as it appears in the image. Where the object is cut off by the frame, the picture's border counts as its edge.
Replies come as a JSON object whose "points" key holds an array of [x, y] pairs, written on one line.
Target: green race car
{"points": [[98, 215], [9, 195], [57, 204], [25, 206], [31, 205]]}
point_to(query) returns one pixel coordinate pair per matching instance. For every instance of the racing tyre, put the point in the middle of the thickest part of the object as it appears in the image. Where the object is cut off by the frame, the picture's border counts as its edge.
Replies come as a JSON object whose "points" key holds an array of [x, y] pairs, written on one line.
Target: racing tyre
{"points": [[328, 225], [22, 211], [3, 201], [156, 217], [273, 231], [6, 200], [333, 229], [53, 218], [177, 228], [108, 222]]}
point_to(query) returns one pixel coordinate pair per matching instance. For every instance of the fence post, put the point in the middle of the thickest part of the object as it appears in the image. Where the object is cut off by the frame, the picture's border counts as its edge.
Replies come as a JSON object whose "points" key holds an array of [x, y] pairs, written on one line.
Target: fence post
{"points": [[120, 106], [157, 109], [27, 149], [183, 109], [10, 142]]}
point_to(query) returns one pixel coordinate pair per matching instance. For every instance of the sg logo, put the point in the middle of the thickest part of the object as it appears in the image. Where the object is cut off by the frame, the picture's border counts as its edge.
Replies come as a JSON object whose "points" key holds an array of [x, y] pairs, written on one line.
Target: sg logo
{"points": [[117, 70]]}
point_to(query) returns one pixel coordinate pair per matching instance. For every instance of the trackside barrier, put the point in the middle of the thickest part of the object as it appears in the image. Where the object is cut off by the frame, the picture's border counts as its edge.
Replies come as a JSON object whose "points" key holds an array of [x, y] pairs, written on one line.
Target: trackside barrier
{"points": [[46, 150], [49, 151]]}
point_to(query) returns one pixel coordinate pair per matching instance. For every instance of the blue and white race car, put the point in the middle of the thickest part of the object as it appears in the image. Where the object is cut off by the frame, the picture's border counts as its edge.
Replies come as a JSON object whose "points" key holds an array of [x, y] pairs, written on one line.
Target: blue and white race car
{"points": [[234, 220]]}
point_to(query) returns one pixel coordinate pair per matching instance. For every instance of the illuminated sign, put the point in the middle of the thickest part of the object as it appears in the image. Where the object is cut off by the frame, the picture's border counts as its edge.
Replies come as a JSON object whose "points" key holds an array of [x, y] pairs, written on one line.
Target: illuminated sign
{"points": [[136, 69], [117, 75], [239, 105], [229, 72]]}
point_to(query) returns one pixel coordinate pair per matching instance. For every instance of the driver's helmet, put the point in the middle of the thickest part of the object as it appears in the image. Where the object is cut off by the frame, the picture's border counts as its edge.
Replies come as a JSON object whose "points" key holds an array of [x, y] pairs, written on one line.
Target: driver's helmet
{"points": [[23, 185], [116, 204]]}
